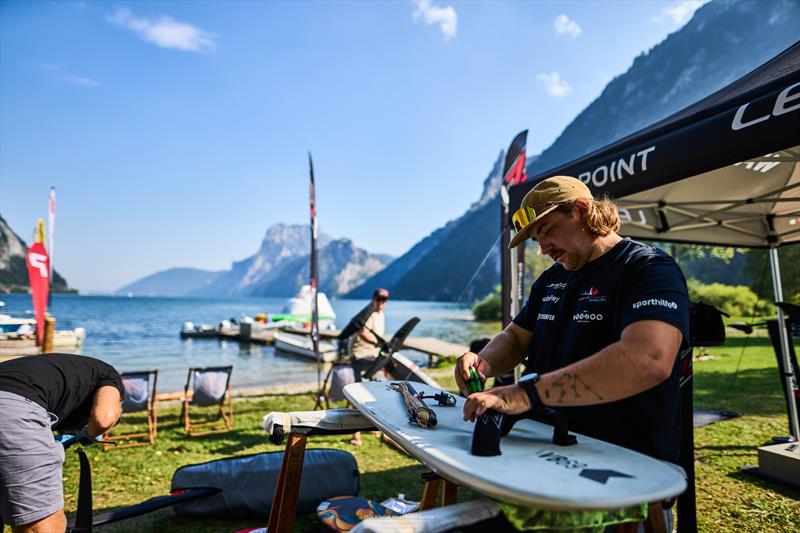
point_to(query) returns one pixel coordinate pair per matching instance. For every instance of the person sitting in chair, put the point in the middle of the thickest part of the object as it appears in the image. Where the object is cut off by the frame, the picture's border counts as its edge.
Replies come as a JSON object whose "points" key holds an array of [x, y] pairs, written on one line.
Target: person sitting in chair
{"points": [[38, 394], [368, 341]]}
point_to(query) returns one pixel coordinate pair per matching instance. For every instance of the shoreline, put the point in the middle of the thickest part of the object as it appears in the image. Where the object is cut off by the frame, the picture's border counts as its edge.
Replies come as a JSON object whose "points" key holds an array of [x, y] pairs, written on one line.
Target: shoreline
{"points": [[288, 389]]}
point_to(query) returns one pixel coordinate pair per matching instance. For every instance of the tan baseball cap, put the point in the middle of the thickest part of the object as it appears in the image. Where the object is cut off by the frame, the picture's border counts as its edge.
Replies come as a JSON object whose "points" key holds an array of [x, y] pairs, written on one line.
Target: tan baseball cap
{"points": [[543, 198]]}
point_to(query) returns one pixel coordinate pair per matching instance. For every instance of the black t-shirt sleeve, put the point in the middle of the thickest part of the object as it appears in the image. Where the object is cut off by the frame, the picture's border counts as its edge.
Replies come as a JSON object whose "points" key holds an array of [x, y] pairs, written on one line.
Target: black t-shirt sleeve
{"points": [[655, 289], [107, 375]]}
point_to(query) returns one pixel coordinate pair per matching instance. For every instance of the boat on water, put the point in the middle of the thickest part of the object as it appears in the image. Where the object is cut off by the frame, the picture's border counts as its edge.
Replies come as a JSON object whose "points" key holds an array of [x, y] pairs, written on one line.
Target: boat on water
{"points": [[301, 345], [201, 331], [297, 311], [11, 324], [18, 335]]}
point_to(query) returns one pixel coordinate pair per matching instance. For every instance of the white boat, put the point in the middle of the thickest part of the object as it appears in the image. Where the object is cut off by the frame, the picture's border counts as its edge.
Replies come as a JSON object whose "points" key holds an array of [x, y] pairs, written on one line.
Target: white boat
{"points": [[301, 345], [300, 307], [11, 324], [18, 329], [68, 338], [192, 331]]}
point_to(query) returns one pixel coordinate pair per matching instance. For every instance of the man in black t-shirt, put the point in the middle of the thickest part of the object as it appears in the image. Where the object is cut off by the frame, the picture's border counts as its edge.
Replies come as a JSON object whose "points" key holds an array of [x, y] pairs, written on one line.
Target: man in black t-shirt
{"points": [[600, 332], [39, 394]]}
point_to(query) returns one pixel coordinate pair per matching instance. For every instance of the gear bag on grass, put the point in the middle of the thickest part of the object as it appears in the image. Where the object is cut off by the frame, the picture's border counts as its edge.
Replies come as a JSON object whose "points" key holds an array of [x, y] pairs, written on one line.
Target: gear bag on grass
{"points": [[247, 483]]}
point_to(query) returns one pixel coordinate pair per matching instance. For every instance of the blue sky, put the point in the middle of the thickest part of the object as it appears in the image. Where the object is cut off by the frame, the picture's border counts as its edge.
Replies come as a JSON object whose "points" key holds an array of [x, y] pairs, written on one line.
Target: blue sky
{"points": [[176, 133]]}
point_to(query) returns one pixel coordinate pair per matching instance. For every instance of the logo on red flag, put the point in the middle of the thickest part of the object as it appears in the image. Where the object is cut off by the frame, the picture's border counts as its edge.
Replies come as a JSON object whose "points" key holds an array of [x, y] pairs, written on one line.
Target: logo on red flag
{"points": [[39, 276]]}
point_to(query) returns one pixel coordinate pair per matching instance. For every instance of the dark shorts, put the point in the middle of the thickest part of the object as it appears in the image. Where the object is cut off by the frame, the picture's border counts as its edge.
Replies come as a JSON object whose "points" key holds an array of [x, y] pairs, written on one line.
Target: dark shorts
{"points": [[30, 462]]}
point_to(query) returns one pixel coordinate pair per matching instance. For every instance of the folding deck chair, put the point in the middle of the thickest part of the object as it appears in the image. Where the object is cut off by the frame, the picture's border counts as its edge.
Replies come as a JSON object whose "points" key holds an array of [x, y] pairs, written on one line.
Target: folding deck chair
{"points": [[211, 386], [140, 395]]}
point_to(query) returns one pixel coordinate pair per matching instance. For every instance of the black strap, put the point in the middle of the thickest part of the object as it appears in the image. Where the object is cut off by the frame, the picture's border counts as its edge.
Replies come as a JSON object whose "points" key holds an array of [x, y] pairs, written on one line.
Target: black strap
{"points": [[152, 504], [83, 516]]}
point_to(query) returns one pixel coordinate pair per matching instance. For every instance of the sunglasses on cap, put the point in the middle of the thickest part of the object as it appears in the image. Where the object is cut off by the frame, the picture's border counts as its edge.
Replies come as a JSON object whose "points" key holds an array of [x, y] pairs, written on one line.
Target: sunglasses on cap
{"points": [[523, 217], [527, 215]]}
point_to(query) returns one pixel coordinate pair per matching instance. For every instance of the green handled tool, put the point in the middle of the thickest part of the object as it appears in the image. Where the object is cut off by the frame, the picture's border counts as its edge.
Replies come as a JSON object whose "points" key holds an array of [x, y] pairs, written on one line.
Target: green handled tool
{"points": [[474, 383]]}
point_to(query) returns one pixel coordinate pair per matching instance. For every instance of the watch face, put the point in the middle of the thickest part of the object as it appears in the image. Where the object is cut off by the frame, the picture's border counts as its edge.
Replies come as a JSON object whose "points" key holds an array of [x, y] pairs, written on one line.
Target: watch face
{"points": [[529, 378]]}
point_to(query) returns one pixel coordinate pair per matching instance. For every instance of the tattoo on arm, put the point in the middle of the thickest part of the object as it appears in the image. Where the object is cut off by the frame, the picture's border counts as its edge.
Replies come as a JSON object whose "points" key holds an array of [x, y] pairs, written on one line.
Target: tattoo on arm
{"points": [[572, 381]]}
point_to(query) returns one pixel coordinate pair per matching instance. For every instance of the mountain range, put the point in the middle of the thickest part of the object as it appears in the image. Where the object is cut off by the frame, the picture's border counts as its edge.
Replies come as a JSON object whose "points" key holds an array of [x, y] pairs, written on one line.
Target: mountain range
{"points": [[723, 41], [278, 268], [460, 261]]}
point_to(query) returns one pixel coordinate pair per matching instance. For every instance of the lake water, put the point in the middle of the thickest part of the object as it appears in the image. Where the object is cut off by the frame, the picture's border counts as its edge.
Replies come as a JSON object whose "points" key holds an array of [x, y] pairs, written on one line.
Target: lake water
{"points": [[142, 333]]}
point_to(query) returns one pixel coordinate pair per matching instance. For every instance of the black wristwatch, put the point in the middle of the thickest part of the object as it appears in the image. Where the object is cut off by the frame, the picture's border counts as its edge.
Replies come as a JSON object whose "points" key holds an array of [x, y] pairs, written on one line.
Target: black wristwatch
{"points": [[528, 383]]}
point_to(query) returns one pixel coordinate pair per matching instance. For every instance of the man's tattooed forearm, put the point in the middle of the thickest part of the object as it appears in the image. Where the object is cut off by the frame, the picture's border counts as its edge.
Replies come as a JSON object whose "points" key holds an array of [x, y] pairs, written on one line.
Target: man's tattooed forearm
{"points": [[574, 382]]}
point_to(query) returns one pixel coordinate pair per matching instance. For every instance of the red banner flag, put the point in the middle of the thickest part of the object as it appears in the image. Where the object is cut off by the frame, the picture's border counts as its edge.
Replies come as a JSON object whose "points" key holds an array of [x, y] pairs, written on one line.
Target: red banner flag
{"points": [[39, 276]]}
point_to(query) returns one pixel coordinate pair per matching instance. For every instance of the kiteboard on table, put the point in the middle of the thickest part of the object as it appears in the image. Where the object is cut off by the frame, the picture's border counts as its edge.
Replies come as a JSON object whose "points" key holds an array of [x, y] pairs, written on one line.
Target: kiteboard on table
{"points": [[531, 470]]}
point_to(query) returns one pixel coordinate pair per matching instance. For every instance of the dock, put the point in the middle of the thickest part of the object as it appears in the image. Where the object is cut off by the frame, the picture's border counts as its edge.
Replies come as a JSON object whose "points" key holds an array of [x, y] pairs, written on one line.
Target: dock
{"points": [[432, 347], [428, 345]]}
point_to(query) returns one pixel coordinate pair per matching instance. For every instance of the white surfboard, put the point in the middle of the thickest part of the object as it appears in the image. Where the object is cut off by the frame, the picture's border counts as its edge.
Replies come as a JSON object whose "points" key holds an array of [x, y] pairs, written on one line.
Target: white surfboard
{"points": [[532, 471]]}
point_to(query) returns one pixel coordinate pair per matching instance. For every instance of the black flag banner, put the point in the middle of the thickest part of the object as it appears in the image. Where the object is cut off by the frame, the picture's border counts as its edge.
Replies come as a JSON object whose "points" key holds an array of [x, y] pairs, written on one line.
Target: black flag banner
{"points": [[514, 166], [514, 173], [313, 270]]}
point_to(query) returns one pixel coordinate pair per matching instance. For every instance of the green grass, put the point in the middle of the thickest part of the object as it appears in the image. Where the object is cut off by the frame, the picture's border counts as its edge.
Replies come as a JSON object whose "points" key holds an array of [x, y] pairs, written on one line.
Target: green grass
{"points": [[728, 499], [741, 376]]}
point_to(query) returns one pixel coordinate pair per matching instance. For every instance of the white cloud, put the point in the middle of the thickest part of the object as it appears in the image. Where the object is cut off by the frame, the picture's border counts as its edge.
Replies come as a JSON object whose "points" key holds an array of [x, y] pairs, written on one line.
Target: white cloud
{"points": [[555, 86], [445, 17], [680, 12], [565, 25], [66, 77], [164, 31], [79, 80]]}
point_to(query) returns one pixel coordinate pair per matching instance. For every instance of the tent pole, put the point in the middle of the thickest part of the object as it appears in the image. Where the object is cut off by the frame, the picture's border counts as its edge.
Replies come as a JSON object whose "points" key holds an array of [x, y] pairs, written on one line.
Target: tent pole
{"points": [[784, 338]]}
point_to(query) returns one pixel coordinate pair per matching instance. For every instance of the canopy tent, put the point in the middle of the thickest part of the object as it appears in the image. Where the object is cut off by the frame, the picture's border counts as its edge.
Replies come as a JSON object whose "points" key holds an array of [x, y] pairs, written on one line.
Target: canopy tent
{"points": [[723, 171]]}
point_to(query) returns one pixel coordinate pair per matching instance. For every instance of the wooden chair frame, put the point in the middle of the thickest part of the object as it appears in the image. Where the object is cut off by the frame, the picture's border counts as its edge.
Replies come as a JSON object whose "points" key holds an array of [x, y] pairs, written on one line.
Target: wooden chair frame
{"points": [[111, 442], [226, 418]]}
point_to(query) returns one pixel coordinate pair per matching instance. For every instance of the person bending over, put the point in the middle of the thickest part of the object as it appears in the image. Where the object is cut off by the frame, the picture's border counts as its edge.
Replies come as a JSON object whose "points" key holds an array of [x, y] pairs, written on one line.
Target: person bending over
{"points": [[600, 332], [39, 394]]}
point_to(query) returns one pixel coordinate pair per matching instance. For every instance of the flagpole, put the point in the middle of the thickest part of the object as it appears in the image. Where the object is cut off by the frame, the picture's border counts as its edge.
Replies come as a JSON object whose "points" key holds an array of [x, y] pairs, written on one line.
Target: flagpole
{"points": [[313, 272], [51, 243]]}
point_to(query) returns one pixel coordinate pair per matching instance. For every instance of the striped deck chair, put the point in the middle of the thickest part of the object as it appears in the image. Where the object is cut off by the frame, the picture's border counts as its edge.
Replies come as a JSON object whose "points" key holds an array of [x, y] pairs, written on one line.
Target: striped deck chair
{"points": [[140, 396], [211, 387]]}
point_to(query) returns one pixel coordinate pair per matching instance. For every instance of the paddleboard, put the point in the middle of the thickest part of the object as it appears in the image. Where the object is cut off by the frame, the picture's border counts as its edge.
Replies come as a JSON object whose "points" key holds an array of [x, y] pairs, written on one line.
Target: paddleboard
{"points": [[532, 471]]}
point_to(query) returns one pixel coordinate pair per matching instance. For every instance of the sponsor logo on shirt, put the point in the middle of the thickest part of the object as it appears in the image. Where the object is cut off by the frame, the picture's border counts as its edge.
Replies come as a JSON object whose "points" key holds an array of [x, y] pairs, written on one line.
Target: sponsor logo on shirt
{"points": [[545, 316], [551, 298], [587, 317], [655, 302], [592, 295], [556, 285]]}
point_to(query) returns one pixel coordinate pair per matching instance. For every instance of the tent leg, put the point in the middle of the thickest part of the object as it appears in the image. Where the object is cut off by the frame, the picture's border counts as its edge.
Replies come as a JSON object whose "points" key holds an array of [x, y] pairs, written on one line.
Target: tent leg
{"points": [[788, 376]]}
